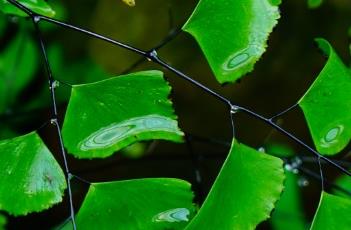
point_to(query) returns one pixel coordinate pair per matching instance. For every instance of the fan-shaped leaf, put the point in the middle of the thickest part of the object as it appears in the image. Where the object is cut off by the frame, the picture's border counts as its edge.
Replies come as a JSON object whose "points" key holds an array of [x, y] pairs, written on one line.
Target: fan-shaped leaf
{"points": [[232, 33], [38, 6], [244, 193], [333, 213], [326, 105], [152, 204], [109, 115], [31, 179]]}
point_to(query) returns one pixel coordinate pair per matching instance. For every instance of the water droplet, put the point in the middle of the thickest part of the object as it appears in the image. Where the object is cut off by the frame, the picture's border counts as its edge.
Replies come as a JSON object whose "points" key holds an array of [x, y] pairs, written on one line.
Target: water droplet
{"points": [[295, 171], [288, 167], [332, 136], [234, 109], [262, 149], [172, 215], [303, 182], [56, 84]]}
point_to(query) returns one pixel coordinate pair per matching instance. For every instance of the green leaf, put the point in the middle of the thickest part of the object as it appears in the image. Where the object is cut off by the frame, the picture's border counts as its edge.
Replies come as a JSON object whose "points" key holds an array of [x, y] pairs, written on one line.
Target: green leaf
{"points": [[109, 115], [31, 179], [244, 193], [18, 64], [333, 213], [326, 105], [152, 204], [344, 182], [232, 33], [314, 3], [279, 150], [288, 213], [38, 6]]}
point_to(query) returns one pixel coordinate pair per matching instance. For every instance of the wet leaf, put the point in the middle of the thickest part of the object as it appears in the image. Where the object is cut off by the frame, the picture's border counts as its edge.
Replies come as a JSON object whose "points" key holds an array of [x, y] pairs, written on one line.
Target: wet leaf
{"points": [[326, 105], [38, 6], [244, 193], [232, 33], [152, 204], [31, 179], [106, 116], [333, 213]]}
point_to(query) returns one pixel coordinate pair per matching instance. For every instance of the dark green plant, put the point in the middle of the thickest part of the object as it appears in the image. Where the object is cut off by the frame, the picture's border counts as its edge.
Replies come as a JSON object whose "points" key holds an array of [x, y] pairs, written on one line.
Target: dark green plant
{"points": [[105, 116]]}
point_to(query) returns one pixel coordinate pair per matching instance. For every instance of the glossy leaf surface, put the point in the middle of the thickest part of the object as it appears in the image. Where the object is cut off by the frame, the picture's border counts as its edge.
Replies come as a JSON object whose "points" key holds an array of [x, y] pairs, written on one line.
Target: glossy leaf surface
{"points": [[244, 193], [288, 213], [232, 33], [152, 204], [38, 6], [31, 179], [18, 63], [326, 105], [333, 213], [109, 115]]}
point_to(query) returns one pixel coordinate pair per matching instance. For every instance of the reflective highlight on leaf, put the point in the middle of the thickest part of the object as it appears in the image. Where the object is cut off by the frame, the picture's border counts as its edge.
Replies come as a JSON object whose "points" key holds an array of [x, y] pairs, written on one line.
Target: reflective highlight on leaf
{"points": [[326, 105], [244, 193], [107, 136], [106, 116], [333, 213], [232, 33], [173, 215], [38, 6], [39, 180], [152, 204]]}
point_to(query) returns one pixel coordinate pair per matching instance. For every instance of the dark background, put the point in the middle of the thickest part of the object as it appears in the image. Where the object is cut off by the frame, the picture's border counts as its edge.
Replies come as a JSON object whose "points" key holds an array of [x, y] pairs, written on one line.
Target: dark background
{"points": [[280, 78]]}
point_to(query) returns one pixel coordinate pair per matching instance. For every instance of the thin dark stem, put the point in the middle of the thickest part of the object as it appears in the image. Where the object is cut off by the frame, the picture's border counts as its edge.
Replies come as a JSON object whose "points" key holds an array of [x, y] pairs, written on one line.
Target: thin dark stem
{"points": [[195, 160], [152, 55], [321, 173], [81, 179], [314, 175], [283, 112], [54, 120], [95, 35], [156, 59]]}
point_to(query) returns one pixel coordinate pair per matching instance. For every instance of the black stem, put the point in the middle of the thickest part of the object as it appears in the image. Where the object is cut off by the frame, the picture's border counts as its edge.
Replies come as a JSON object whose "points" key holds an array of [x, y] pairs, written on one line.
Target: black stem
{"points": [[152, 55], [54, 120]]}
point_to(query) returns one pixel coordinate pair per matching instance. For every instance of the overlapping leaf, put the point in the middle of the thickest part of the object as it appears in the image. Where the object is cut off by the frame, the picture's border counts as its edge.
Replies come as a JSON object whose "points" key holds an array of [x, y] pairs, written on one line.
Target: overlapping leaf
{"points": [[288, 213], [31, 179], [326, 105], [38, 6], [232, 33], [152, 204], [333, 213], [109, 115], [244, 193], [18, 63]]}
